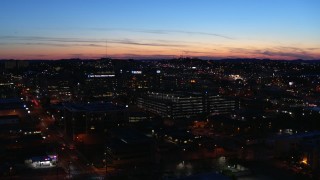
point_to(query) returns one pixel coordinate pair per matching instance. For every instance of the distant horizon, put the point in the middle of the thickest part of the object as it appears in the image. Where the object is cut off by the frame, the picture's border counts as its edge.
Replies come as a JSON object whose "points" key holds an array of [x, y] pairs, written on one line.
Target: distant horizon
{"points": [[160, 59]]}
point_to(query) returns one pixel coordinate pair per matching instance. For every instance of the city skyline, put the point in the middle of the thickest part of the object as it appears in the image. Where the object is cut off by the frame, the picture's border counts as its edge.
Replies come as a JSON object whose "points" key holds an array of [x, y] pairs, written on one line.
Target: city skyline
{"points": [[143, 29]]}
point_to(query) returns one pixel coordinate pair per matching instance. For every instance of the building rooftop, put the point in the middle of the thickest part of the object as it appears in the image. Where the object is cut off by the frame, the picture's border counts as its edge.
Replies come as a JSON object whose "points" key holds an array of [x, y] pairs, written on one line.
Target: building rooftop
{"points": [[10, 103], [317, 109], [93, 107], [314, 134], [205, 176], [130, 136], [12, 119]]}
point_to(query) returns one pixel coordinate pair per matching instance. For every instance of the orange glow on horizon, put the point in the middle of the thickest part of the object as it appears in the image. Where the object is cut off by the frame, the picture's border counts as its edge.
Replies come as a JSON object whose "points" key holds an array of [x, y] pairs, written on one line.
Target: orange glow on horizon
{"points": [[145, 51]]}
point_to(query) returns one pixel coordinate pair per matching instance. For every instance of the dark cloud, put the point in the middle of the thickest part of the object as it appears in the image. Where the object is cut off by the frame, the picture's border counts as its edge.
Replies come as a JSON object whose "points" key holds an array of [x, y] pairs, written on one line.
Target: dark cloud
{"points": [[312, 49], [302, 55], [164, 32], [91, 42], [195, 52], [77, 55], [50, 39], [285, 52], [131, 42], [139, 56], [44, 44]]}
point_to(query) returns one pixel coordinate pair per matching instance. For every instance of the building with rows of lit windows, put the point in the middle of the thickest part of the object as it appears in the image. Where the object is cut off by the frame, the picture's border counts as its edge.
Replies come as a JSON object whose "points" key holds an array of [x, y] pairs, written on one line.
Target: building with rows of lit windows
{"points": [[179, 105]]}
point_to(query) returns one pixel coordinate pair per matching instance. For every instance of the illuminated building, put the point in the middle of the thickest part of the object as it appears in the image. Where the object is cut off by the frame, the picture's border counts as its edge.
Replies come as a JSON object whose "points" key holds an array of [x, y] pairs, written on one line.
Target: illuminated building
{"points": [[98, 86], [40, 162], [60, 91], [179, 105]]}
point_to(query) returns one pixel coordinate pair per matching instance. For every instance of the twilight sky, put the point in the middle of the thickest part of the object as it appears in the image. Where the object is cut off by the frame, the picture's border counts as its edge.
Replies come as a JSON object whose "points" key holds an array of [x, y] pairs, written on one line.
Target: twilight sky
{"points": [[54, 29]]}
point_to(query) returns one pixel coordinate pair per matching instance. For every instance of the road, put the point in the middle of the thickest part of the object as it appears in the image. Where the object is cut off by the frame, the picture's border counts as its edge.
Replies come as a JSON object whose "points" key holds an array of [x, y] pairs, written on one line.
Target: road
{"points": [[69, 158]]}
